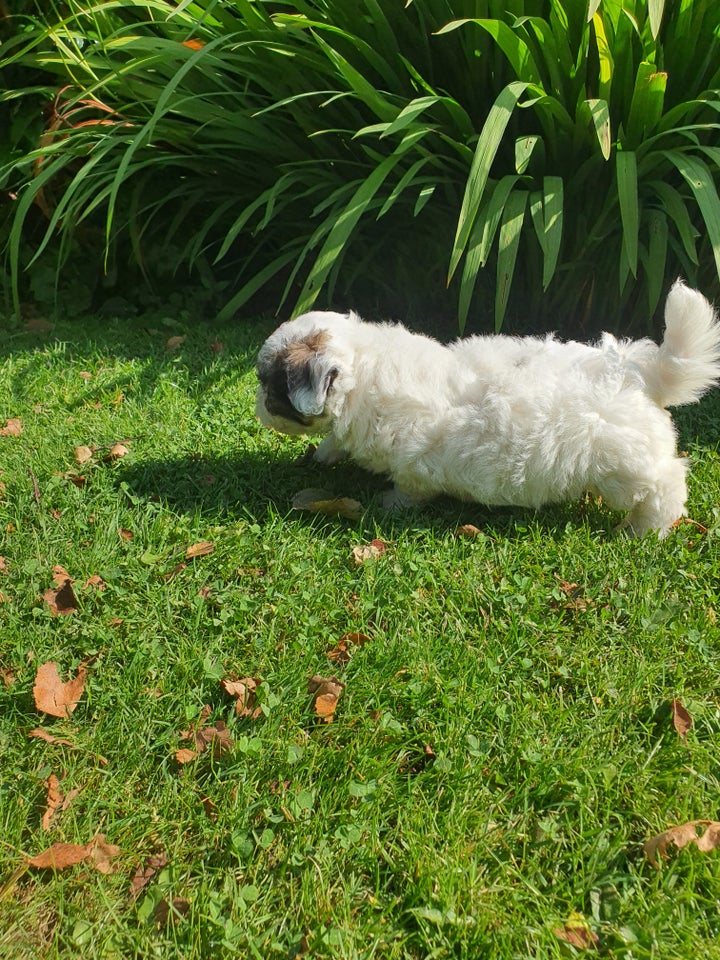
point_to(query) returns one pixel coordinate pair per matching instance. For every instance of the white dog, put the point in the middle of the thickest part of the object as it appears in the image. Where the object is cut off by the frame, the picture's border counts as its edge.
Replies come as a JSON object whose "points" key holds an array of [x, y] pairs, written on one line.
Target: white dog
{"points": [[522, 421]]}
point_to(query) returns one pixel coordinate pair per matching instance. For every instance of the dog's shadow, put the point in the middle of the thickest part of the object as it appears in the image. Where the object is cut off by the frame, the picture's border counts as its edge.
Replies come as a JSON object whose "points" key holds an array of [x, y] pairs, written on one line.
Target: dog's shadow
{"points": [[256, 488]]}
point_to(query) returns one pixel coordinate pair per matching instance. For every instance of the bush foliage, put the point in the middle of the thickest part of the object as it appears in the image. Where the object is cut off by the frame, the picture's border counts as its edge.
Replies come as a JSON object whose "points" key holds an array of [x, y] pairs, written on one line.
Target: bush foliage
{"points": [[543, 151]]}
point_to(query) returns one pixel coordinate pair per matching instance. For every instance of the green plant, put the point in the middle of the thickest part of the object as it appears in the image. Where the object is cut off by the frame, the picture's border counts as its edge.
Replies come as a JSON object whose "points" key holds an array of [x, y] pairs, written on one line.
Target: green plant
{"points": [[321, 148]]}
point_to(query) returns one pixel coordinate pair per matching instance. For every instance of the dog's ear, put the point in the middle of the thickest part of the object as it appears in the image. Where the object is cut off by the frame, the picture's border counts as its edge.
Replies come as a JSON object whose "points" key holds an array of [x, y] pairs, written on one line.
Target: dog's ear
{"points": [[310, 373]]}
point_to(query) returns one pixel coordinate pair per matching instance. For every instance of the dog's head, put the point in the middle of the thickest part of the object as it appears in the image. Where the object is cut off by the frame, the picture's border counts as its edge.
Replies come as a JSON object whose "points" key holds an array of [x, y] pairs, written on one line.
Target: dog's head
{"points": [[297, 367]]}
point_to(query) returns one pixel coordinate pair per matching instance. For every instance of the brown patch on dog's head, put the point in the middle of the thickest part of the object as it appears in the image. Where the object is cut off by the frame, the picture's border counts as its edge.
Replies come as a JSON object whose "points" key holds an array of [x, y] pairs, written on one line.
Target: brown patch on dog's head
{"points": [[300, 352]]}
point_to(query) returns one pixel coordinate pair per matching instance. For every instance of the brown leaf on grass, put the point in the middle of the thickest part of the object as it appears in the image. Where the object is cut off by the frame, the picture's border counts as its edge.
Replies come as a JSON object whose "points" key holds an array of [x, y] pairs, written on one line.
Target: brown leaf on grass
{"points": [[175, 342], [53, 800], [217, 736], [199, 550], [343, 649], [3, 490], [125, 534], [85, 374], [60, 575], [61, 855], [52, 695], [8, 677], [682, 721], [116, 452], [83, 454], [577, 932], [146, 872], [167, 913], [468, 530], [61, 599], [243, 692], [77, 479], [326, 692], [95, 582], [56, 800], [3, 565], [102, 853], [13, 427], [681, 836], [42, 734], [682, 520], [216, 346], [321, 501], [368, 551]]}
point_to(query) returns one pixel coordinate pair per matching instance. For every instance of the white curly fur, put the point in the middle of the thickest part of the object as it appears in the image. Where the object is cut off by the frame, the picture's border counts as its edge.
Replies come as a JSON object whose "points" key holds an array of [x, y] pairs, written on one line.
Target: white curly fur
{"points": [[500, 420]]}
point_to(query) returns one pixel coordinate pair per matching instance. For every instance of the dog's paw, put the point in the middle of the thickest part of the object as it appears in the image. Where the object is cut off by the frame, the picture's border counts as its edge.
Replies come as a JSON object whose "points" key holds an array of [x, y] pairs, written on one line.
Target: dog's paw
{"points": [[329, 453]]}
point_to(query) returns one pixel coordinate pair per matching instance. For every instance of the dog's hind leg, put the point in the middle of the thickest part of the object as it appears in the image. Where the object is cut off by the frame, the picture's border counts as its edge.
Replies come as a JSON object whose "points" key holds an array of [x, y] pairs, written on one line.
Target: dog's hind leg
{"points": [[663, 502]]}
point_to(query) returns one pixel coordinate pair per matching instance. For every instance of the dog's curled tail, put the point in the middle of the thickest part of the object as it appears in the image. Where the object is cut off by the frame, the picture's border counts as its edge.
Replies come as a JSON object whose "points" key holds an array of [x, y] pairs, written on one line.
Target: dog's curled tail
{"points": [[687, 363]]}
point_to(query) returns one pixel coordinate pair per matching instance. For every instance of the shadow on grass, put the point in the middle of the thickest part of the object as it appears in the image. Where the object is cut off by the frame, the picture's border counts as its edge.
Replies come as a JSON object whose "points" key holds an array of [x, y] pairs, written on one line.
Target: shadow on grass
{"points": [[256, 487], [208, 352]]}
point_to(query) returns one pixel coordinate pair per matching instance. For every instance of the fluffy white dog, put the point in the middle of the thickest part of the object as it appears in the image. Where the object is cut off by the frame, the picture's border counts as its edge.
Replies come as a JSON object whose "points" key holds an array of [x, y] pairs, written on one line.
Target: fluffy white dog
{"points": [[521, 421]]}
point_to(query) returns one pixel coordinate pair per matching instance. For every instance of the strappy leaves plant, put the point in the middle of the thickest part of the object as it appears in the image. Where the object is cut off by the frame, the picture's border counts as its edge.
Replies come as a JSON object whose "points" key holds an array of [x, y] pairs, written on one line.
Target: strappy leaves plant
{"points": [[566, 150]]}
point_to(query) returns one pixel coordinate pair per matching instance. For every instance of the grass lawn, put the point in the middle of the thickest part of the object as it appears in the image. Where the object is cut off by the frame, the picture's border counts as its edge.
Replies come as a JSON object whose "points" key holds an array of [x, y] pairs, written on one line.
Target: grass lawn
{"points": [[502, 748]]}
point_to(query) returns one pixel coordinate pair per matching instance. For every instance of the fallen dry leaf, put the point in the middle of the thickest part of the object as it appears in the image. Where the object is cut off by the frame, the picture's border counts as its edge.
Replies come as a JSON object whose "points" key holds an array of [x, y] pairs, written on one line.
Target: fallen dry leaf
{"points": [[342, 651], [681, 836], [83, 454], [60, 575], [320, 501], [326, 692], [53, 800], [8, 677], [102, 853], [174, 342], [78, 479], [125, 534], [216, 736], [3, 565], [96, 582], [166, 913], [468, 530], [41, 734], [56, 800], [243, 692], [682, 721], [368, 551], [147, 872], [577, 932], [62, 599], [13, 427], [85, 374], [61, 855], [52, 695], [216, 346], [199, 550], [116, 452]]}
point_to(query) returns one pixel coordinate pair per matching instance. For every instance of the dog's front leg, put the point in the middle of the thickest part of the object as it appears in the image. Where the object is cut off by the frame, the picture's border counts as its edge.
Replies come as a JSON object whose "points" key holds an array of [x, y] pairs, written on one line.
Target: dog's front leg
{"points": [[329, 452], [396, 500]]}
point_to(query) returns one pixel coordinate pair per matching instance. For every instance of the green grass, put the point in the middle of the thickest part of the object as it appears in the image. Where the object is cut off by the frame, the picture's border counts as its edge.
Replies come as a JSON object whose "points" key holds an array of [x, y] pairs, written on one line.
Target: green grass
{"points": [[553, 751]]}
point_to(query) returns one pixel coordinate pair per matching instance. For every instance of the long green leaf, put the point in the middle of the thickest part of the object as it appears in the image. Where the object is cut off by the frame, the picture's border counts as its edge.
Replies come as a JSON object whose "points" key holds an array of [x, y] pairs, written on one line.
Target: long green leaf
{"points": [[700, 180], [485, 152], [510, 230], [514, 48], [627, 187]]}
